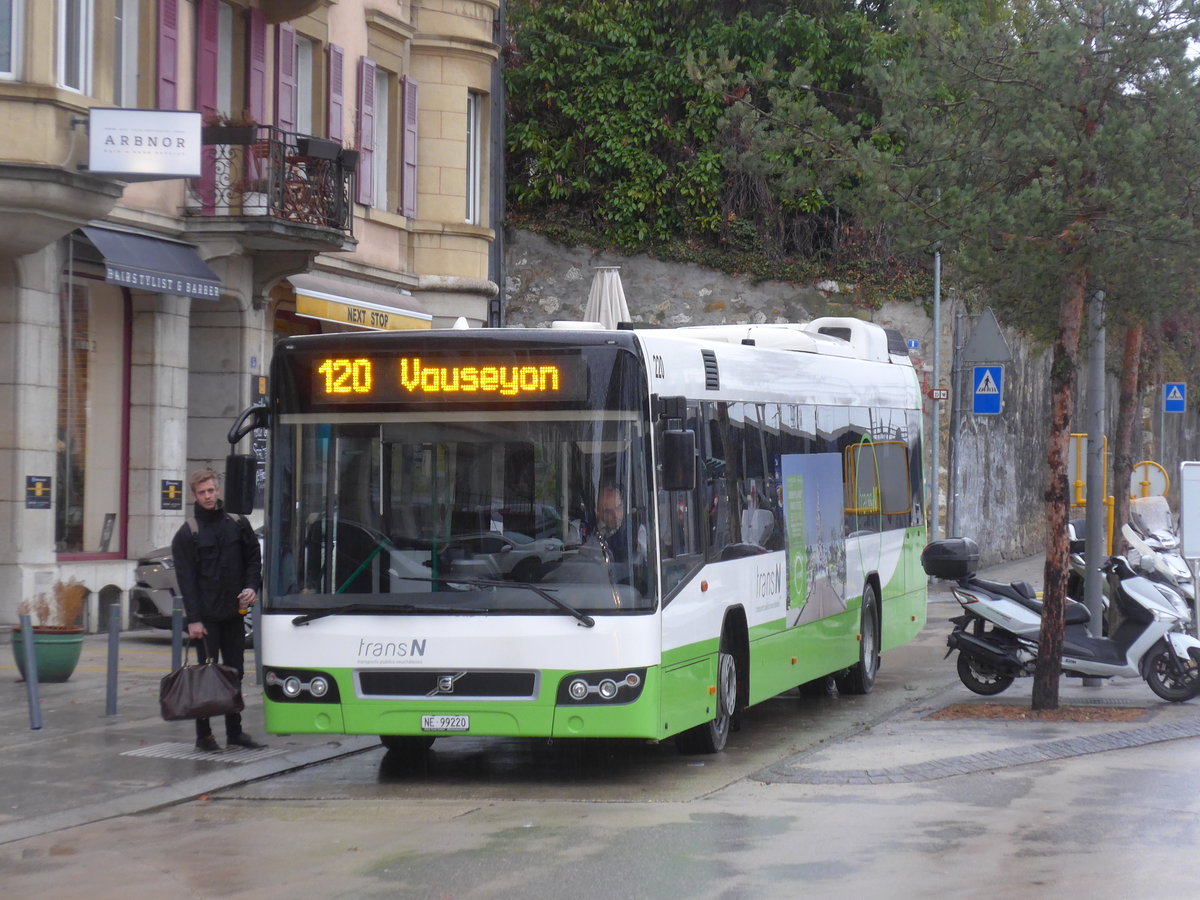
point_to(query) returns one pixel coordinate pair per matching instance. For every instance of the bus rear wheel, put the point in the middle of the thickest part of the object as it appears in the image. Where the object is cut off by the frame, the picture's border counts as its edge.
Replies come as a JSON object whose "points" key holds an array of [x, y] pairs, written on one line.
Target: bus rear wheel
{"points": [[861, 676], [712, 736]]}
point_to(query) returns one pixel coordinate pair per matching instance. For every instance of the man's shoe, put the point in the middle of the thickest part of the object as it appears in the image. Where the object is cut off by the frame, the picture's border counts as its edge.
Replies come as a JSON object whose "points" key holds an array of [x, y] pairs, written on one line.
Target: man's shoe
{"points": [[208, 744], [244, 740]]}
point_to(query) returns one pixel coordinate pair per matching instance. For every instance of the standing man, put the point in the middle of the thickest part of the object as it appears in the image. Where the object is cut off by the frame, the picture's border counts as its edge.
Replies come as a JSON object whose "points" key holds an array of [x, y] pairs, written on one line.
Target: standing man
{"points": [[218, 564]]}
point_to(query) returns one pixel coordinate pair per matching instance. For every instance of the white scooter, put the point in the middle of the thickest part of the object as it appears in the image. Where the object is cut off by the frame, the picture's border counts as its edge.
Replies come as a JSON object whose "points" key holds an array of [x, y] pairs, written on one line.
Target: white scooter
{"points": [[1156, 567], [1164, 566], [996, 636], [1153, 527]]}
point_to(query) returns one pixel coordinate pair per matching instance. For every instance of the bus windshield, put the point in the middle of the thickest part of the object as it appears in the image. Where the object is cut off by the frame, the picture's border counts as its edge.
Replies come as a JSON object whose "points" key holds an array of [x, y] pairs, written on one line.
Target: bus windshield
{"points": [[451, 511]]}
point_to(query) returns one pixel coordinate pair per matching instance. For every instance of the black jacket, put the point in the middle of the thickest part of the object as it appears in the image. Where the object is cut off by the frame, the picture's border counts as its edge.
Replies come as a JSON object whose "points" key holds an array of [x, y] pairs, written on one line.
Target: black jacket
{"points": [[215, 564]]}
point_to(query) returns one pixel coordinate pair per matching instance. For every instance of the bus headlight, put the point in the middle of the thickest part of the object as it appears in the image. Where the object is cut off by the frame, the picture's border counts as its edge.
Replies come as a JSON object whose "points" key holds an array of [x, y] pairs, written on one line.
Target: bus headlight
{"points": [[300, 686], [601, 688]]}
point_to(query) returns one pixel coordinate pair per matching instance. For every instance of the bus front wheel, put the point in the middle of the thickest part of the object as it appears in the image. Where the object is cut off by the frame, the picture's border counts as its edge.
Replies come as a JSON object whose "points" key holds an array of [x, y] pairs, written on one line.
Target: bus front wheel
{"points": [[860, 678], [712, 735]]}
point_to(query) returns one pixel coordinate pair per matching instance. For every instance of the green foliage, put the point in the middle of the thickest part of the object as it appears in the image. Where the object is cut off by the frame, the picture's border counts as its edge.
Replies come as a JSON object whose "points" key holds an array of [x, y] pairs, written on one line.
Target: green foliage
{"points": [[642, 116], [1065, 137]]}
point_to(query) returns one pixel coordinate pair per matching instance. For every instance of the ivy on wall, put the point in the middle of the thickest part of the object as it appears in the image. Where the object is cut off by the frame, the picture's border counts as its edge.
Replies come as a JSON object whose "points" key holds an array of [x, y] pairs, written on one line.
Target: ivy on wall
{"points": [[627, 127]]}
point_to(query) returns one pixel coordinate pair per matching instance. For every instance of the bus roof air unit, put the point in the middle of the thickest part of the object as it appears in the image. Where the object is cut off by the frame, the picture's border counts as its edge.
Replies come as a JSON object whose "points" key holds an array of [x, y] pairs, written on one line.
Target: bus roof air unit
{"points": [[828, 336], [870, 341]]}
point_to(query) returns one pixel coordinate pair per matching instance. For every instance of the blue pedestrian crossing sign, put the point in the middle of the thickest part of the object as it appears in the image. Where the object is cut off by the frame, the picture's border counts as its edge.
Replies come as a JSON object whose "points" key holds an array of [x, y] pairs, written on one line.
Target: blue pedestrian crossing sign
{"points": [[989, 388], [1174, 396]]}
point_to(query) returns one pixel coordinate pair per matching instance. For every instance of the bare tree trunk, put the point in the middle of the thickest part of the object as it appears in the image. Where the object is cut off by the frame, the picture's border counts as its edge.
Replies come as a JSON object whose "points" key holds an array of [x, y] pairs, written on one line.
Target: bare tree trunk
{"points": [[1129, 411], [1063, 369]]}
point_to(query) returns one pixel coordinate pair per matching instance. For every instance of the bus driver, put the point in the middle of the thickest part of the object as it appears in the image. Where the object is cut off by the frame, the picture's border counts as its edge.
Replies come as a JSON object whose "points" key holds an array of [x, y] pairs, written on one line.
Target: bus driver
{"points": [[615, 527]]}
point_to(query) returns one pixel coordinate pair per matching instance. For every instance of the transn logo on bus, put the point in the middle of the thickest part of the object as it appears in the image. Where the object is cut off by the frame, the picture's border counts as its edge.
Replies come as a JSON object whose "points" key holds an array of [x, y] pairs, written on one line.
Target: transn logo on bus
{"points": [[389, 651]]}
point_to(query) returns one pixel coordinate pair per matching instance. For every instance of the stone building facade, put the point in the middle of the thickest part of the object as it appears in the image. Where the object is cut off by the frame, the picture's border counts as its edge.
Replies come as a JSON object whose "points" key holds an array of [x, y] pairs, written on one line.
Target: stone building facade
{"points": [[343, 183]]}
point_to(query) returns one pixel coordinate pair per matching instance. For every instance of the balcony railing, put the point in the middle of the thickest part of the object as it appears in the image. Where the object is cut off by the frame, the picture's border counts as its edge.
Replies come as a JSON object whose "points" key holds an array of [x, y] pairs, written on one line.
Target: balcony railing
{"points": [[261, 170]]}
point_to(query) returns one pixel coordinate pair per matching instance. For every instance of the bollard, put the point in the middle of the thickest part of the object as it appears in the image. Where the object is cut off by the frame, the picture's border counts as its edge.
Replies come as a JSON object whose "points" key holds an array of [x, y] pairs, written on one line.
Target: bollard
{"points": [[31, 679], [176, 636], [114, 652]]}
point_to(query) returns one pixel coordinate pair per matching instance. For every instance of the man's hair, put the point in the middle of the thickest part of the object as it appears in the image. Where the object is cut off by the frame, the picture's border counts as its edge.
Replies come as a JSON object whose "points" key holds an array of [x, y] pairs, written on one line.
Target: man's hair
{"points": [[200, 476]]}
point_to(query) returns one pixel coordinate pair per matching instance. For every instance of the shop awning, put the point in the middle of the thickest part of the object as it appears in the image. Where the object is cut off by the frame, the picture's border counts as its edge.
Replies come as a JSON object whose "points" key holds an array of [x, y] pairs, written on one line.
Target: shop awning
{"points": [[354, 303], [153, 264]]}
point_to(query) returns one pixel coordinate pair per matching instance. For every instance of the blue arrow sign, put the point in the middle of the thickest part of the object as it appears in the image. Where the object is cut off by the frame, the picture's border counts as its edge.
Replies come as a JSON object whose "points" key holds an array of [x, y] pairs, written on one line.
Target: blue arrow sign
{"points": [[914, 344], [1174, 396], [988, 390]]}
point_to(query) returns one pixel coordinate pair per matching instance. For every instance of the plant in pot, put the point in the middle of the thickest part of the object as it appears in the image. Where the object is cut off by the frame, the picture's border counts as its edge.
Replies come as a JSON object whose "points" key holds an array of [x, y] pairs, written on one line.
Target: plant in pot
{"points": [[221, 128], [57, 631]]}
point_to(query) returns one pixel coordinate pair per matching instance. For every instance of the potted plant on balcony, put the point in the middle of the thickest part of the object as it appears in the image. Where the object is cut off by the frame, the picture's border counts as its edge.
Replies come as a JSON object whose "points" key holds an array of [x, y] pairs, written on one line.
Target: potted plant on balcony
{"points": [[317, 148], [220, 128], [57, 631], [348, 157]]}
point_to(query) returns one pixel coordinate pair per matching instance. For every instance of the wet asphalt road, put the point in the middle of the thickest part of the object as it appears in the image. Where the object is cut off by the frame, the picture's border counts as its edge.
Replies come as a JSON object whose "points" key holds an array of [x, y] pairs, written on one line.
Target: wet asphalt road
{"points": [[484, 819]]}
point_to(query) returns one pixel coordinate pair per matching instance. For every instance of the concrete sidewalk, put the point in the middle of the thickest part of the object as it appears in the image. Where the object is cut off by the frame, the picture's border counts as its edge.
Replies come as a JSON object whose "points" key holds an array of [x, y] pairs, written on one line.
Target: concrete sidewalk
{"points": [[84, 766]]}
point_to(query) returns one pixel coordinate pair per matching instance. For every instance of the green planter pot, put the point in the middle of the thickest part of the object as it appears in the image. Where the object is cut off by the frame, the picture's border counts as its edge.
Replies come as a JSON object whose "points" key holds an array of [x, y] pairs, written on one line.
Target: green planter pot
{"points": [[57, 651]]}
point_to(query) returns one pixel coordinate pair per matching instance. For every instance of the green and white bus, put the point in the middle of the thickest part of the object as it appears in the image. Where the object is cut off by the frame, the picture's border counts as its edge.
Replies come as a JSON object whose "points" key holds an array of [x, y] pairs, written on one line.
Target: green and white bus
{"points": [[569, 532]]}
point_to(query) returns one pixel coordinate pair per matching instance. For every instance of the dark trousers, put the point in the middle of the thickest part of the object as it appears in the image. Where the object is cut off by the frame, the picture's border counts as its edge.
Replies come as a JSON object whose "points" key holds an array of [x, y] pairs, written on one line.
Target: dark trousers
{"points": [[225, 643]]}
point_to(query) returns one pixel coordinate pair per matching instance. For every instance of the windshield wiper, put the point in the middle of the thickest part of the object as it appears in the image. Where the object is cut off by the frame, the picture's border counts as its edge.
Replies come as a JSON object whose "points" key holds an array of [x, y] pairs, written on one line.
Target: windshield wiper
{"points": [[584, 618], [389, 609]]}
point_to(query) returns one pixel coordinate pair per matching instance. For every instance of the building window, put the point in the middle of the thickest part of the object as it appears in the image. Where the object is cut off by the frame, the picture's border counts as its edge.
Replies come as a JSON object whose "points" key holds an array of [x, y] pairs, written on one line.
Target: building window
{"points": [[474, 155], [383, 104], [93, 397], [75, 45], [125, 54], [10, 39], [304, 85], [225, 102]]}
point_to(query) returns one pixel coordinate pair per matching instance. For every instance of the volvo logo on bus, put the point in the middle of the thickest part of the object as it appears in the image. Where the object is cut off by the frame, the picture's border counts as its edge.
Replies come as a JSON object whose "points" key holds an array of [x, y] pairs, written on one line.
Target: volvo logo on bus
{"points": [[445, 684]]}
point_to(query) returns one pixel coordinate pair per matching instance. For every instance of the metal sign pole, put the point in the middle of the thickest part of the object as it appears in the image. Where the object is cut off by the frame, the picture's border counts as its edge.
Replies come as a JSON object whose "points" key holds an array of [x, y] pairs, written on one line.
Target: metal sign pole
{"points": [[935, 507]]}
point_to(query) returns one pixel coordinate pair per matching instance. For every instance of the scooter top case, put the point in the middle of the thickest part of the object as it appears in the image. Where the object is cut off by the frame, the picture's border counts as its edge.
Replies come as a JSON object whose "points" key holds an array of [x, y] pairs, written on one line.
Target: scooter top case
{"points": [[951, 558]]}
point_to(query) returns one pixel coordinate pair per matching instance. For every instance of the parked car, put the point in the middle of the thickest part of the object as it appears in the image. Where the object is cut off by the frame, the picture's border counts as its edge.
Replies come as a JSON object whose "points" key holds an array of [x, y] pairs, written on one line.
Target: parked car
{"points": [[526, 519], [157, 587], [510, 554]]}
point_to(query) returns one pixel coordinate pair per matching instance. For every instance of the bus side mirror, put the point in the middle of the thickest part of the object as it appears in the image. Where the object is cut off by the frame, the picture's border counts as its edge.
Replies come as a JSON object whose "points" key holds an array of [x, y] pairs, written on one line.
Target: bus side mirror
{"points": [[251, 417], [240, 483], [678, 460]]}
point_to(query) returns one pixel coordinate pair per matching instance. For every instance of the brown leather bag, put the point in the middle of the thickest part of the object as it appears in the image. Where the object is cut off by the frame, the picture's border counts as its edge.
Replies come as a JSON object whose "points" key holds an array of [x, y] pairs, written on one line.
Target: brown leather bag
{"points": [[198, 692]]}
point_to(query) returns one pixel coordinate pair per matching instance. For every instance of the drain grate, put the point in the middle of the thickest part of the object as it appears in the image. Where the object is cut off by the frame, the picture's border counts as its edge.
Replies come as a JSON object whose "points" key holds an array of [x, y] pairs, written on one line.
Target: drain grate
{"points": [[174, 750]]}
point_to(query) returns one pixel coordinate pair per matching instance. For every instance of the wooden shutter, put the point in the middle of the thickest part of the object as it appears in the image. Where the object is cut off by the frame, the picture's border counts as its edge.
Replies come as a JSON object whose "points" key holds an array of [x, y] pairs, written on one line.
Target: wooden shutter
{"points": [[207, 41], [256, 64], [408, 151], [335, 94], [167, 76], [285, 76], [366, 131]]}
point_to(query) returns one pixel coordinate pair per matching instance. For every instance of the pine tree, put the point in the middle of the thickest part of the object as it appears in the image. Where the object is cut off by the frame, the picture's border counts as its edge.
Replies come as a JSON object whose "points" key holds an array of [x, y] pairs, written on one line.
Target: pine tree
{"points": [[1054, 152]]}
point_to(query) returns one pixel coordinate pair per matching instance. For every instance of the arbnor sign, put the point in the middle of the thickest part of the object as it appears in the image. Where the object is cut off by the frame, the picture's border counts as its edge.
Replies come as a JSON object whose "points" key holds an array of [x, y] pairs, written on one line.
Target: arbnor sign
{"points": [[144, 144]]}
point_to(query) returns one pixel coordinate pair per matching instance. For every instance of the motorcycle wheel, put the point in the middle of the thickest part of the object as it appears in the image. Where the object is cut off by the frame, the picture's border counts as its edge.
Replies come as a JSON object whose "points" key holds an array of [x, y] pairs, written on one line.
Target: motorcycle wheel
{"points": [[980, 677], [1168, 679]]}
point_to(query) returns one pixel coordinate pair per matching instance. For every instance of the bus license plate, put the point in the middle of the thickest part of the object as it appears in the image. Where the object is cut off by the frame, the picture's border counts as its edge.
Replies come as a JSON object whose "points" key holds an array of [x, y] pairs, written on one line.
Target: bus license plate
{"points": [[445, 723]]}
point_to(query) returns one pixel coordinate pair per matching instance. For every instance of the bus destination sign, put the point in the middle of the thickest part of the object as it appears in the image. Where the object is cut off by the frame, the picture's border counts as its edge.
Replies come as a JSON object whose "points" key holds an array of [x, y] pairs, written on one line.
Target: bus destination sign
{"points": [[446, 379]]}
